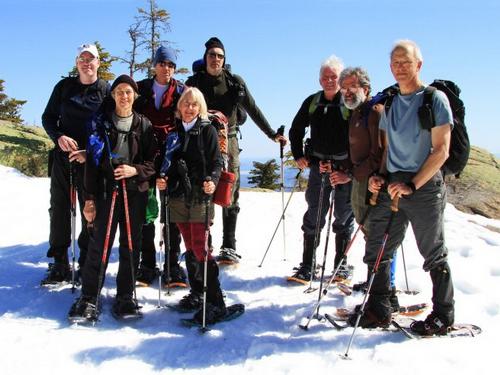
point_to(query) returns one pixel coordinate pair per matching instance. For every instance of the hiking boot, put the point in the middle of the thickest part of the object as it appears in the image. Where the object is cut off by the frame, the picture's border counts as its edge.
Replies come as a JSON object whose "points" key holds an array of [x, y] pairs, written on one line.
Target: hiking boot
{"points": [[360, 287], [177, 277], [344, 273], [190, 302], [125, 307], [83, 309], [57, 273], [432, 325], [393, 299], [145, 276], [302, 274], [213, 314], [370, 319], [228, 255]]}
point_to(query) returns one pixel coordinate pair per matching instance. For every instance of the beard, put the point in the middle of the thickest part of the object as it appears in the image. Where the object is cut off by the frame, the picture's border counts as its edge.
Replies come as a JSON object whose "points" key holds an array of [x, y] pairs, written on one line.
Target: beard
{"points": [[355, 101]]}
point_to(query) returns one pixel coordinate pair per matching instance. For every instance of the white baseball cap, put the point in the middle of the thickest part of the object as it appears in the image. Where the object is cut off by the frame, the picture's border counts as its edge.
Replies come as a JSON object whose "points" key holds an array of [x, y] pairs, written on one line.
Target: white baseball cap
{"points": [[90, 48]]}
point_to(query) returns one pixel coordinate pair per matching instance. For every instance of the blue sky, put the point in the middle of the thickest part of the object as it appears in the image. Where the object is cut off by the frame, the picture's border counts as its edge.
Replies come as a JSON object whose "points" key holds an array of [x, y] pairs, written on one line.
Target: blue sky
{"points": [[275, 45]]}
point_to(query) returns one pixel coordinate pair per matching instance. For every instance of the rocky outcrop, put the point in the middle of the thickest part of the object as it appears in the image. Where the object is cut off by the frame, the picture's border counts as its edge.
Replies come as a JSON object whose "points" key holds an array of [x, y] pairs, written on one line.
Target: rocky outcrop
{"points": [[477, 190]]}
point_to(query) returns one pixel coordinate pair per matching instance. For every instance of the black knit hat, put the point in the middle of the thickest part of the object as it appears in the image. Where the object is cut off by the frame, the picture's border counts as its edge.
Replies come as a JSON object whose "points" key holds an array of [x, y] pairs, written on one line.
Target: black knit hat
{"points": [[214, 42], [125, 79]]}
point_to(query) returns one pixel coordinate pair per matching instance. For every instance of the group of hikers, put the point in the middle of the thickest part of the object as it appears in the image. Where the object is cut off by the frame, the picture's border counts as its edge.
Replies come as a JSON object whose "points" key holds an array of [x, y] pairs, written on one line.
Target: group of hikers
{"points": [[369, 162]]}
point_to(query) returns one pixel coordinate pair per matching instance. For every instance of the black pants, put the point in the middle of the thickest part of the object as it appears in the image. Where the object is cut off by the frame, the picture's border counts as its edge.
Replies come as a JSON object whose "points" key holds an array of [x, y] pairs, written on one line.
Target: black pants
{"points": [[137, 210], [60, 208], [424, 210], [148, 250]]}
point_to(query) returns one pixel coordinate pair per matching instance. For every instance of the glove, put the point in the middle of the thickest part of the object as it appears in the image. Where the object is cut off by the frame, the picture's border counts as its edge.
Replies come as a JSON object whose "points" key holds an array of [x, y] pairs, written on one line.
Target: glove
{"points": [[89, 211]]}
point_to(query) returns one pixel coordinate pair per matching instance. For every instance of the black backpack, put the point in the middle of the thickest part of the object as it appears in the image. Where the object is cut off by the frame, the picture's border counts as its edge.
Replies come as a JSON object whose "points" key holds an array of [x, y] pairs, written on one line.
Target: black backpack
{"points": [[459, 143]]}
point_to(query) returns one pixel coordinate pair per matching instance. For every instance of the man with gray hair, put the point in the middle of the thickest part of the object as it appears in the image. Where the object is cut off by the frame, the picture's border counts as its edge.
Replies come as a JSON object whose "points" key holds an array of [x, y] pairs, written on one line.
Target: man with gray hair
{"points": [[365, 150], [328, 118], [412, 159]]}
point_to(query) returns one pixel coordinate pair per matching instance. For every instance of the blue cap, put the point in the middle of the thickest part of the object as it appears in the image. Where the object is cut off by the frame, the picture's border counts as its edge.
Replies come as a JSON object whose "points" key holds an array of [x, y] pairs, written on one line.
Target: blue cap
{"points": [[164, 54]]}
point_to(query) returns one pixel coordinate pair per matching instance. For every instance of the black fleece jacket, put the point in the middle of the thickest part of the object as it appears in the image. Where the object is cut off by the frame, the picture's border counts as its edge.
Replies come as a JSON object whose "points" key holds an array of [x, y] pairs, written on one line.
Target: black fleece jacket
{"points": [[70, 108], [142, 150]]}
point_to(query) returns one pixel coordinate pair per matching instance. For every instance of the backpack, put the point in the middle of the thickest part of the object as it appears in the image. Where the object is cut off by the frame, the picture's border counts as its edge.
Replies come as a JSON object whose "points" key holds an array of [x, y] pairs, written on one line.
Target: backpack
{"points": [[223, 192], [459, 144], [315, 103]]}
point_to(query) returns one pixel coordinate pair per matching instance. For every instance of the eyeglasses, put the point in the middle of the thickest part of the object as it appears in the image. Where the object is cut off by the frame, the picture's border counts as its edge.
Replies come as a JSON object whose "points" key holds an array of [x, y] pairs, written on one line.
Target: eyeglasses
{"points": [[403, 64], [214, 55], [88, 60], [167, 64], [352, 89]]}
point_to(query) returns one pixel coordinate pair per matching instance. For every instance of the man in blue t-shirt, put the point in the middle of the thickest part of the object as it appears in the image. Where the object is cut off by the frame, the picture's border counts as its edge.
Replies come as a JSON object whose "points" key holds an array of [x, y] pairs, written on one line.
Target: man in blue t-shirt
{"points": [[411, 172]]}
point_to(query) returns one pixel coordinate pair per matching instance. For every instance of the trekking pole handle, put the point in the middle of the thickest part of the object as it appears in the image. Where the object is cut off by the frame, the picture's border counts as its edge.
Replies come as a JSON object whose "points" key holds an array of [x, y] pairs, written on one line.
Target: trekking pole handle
{"points": [[207, 196], [281, 131], [395, 204], [374, 198]]}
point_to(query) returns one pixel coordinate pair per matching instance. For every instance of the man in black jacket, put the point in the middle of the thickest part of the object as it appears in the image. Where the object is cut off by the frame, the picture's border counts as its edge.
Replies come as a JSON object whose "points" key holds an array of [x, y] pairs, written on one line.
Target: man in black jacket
{"points": [[328, 118], [223, 91], [72, 104]]}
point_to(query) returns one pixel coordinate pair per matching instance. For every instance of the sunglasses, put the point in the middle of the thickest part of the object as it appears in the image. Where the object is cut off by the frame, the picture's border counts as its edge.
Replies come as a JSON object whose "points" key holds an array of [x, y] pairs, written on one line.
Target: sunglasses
{"points": [[214, 55]]}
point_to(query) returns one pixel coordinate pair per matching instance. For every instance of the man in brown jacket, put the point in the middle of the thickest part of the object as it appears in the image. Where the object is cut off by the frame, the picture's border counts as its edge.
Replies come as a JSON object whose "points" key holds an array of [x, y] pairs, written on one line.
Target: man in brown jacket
{"points": [[364, 149]]}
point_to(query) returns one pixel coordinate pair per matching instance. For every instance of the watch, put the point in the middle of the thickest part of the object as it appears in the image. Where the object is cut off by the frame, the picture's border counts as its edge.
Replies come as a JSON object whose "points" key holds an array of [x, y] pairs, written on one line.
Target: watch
{"points": [[411, 185]]}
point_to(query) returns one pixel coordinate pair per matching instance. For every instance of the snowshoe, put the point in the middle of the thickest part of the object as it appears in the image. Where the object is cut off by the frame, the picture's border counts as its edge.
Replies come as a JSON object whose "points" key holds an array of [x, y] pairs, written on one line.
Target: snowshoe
{"points": [[407, 310], [145, 276], [84, 311], [302, 275], [214, 317], [228, 256], [126, 308], [413, 329], [177, 277], [344, 274]]}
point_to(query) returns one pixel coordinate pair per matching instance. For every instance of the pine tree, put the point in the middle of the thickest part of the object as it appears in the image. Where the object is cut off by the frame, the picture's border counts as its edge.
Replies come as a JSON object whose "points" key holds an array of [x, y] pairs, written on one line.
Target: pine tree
{"points": [[265, 175], [290, 163], [106, 60], [10, 108]]}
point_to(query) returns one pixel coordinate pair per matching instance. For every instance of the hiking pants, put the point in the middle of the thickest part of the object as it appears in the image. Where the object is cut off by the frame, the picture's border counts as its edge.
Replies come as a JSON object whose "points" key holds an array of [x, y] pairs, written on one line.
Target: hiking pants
{"points": [[60, 208], [342, 210], [137, 211], [424, 211]]}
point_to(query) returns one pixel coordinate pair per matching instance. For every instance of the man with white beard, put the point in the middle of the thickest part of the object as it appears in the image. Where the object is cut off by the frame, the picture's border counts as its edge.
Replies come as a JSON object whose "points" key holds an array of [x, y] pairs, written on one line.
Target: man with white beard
{"points": [[364, 146]]}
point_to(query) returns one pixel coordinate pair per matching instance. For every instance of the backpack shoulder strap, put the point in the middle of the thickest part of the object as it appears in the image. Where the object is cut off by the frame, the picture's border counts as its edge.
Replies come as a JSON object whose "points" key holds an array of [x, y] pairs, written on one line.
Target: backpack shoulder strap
{"points": [[425, 112], [314, 102], [389, 93]]}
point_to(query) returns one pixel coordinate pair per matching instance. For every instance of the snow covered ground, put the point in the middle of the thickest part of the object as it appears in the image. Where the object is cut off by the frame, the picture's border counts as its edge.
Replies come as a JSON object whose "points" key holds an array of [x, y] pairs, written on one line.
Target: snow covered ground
{"points": [[36, 338]]}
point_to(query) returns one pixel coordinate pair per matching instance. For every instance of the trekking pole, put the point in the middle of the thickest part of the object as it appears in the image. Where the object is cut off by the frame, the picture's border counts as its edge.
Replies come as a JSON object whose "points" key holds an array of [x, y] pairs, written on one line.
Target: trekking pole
{"points": [[129, 235], [317, 230], [282, 214], [72, 198], [281, 131], [324, 255], [404, 266], [206, 198], [394, 210], [161, 244], [100, 279], [324, 291], [166, 234]]}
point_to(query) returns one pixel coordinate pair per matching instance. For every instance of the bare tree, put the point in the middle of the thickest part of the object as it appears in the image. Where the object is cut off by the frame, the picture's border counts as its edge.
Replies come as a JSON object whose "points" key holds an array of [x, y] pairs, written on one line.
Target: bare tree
{"points": [[154, 20], [136, 35]]}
